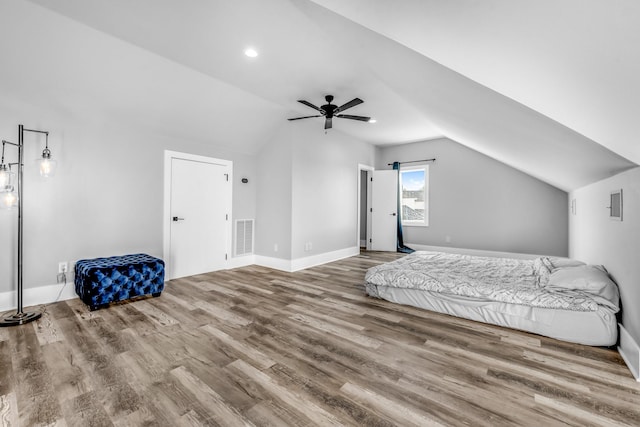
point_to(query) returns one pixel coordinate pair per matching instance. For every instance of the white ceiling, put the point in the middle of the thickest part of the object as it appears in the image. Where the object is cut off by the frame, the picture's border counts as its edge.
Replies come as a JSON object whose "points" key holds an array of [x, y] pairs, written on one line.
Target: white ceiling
{"points": [[575, 61], [548, 87]]}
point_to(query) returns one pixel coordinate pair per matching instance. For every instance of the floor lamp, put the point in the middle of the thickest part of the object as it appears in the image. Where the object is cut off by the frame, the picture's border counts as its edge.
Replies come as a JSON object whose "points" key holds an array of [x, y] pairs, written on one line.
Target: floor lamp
{"points": [[10, 197]]}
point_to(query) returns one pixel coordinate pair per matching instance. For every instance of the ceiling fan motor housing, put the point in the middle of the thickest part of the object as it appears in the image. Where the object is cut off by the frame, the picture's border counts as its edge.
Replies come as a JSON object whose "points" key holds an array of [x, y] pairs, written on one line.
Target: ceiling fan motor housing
{"points": [[329, 108]]}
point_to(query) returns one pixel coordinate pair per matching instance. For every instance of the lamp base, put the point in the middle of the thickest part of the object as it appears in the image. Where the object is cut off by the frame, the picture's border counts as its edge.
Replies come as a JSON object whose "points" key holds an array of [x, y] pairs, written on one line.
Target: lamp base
{"points": [[20, 319]]}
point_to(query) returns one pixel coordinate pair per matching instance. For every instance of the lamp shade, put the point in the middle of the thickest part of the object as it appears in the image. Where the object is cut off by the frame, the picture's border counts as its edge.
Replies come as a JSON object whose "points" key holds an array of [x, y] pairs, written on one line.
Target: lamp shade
{"points": [[6, 179], [8, 199], [46, 164]]}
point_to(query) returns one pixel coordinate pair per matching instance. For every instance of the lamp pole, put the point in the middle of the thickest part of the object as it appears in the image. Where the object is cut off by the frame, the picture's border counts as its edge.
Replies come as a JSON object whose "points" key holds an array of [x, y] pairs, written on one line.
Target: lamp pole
{"points": [[20, 317]]}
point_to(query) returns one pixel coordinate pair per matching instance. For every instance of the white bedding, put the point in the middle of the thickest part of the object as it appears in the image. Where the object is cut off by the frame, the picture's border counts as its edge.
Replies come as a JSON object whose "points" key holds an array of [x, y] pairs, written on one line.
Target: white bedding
{"points": [[500, 291]]}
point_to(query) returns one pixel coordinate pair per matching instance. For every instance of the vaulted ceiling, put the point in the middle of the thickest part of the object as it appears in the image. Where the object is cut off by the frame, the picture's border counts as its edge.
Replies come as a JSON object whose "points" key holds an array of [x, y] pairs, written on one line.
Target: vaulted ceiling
{"points": [[548, 87]]}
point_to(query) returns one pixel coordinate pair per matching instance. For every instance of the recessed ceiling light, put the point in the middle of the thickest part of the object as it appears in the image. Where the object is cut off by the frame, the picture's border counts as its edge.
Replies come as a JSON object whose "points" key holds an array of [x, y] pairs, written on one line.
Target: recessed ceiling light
{"points": [[372, 120], [250, 52]]}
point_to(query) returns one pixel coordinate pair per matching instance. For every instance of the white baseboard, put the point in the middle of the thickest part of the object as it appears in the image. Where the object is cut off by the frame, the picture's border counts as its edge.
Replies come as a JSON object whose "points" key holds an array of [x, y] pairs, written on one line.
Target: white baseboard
{"points": [[275, 263], [241, 261], [37, 296], [630, 352], [306, 262], [49, 294], [312, 261], [476, 252]]}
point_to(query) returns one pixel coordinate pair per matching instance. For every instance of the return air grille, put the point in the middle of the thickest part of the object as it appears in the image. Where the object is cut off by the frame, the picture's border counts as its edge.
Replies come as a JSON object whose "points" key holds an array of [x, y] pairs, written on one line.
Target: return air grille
{"points": [[244, 237]]}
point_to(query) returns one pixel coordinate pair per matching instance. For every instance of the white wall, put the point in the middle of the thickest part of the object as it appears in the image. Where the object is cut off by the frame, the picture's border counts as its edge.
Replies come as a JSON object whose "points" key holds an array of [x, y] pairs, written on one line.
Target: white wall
{"points": [[273, 222], [596, 239], [481, 203], [308, 191], [107, 196], [325, 188]]}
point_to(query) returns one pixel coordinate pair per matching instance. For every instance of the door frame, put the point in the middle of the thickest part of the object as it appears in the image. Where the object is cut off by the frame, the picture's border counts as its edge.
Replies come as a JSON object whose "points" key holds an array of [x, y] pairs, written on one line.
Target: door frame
{"points": [[369, 170], [166, 211]]}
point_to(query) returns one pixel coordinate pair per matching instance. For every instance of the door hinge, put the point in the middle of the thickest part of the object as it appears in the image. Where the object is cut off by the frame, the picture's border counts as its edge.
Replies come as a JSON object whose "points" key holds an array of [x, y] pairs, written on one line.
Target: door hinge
{"points": [[226, 216], [371, 179], [226, 257], [370, 240], [370, 209], [226, 175]]}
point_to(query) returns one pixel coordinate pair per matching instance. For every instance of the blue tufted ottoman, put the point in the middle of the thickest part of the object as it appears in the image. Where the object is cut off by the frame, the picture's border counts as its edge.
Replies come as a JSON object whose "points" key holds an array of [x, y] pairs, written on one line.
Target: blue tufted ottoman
{"points": [[100, 281]]}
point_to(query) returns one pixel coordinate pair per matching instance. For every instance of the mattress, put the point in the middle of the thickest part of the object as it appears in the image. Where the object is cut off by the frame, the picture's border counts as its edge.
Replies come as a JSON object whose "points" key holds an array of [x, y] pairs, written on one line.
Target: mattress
{"points": [[569, 301], [596, 328]]}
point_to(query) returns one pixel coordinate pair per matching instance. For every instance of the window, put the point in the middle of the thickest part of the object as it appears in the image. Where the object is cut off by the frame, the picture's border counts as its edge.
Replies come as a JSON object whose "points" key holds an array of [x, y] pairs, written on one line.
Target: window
{"points": [[414, 187]]}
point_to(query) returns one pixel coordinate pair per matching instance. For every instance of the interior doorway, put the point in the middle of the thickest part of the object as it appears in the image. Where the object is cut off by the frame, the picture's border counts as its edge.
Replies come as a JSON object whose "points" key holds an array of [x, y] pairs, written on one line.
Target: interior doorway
{"points": [[365, 174]]}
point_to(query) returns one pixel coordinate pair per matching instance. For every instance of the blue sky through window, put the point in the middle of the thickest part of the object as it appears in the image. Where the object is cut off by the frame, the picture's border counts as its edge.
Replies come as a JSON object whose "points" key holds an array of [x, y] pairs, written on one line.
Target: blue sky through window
{"points": [[413, 180]]}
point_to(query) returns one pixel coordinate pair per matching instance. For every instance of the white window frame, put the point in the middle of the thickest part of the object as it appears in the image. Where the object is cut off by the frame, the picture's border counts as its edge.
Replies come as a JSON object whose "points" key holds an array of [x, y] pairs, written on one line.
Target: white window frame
{"points": [[414, 223]]}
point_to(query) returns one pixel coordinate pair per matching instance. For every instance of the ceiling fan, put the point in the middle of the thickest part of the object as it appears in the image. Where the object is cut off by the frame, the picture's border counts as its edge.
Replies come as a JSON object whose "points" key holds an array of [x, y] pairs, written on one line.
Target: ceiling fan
{"points": [[329, 111]]}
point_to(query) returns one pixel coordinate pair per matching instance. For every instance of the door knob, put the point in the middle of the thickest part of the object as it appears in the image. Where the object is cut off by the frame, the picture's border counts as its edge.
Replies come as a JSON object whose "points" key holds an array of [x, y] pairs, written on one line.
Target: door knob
{"points": [[175, 218], [393, 214]]}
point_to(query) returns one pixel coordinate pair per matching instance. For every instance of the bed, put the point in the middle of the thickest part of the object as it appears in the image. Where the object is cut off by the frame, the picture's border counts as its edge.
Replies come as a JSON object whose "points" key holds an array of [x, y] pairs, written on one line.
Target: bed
{"points": [[555, 297]]}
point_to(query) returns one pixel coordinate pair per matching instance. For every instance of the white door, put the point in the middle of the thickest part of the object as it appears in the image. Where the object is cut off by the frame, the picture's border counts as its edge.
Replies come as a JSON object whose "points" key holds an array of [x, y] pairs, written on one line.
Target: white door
{"points": [[199, 216], [384, 217]]}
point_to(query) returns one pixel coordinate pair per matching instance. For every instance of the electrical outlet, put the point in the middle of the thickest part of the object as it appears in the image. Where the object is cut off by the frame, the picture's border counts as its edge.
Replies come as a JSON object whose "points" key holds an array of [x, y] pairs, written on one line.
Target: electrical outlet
{"points": [[275, 247], [62, 267]]}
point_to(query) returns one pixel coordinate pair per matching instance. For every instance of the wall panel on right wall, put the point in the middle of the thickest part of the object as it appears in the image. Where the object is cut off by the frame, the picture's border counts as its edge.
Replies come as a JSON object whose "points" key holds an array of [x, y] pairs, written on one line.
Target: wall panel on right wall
{"points": [[595, 238]]}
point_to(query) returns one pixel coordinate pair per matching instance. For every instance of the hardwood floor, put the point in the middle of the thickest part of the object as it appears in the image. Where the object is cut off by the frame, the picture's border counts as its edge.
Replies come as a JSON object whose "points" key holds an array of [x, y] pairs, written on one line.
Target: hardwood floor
{"points": [[254, 346]]}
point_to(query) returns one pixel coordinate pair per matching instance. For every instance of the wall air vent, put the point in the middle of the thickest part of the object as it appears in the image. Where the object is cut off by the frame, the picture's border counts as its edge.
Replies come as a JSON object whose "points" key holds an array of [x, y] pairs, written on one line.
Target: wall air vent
{"points": [[244, 237], [615, 205]]}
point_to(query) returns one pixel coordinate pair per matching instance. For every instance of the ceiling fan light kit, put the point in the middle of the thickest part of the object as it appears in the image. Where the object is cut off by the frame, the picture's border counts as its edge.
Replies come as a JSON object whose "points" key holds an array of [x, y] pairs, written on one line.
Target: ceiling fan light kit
{"points": [[329, 111]]}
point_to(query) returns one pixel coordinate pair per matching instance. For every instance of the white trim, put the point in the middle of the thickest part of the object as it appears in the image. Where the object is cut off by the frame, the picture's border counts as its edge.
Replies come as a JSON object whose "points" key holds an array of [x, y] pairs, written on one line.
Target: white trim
{"points": [[362, 167], [166, 228], [49, 294], [311, 261], [275, 263], [241, 261], [39, 295], [476, 252], [630, 352]]}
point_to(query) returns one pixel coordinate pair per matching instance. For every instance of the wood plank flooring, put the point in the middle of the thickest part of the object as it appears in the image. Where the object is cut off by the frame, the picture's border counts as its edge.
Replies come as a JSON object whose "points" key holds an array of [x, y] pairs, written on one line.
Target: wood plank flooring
{"points": [[254, 346]]}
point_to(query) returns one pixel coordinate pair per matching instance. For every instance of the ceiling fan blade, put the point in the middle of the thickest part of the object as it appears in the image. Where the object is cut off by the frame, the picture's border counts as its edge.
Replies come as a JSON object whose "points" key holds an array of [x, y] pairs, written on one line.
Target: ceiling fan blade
{"points": [[328, 123], [305, 117], [352, 103], [348, 116], [308, 104]]}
